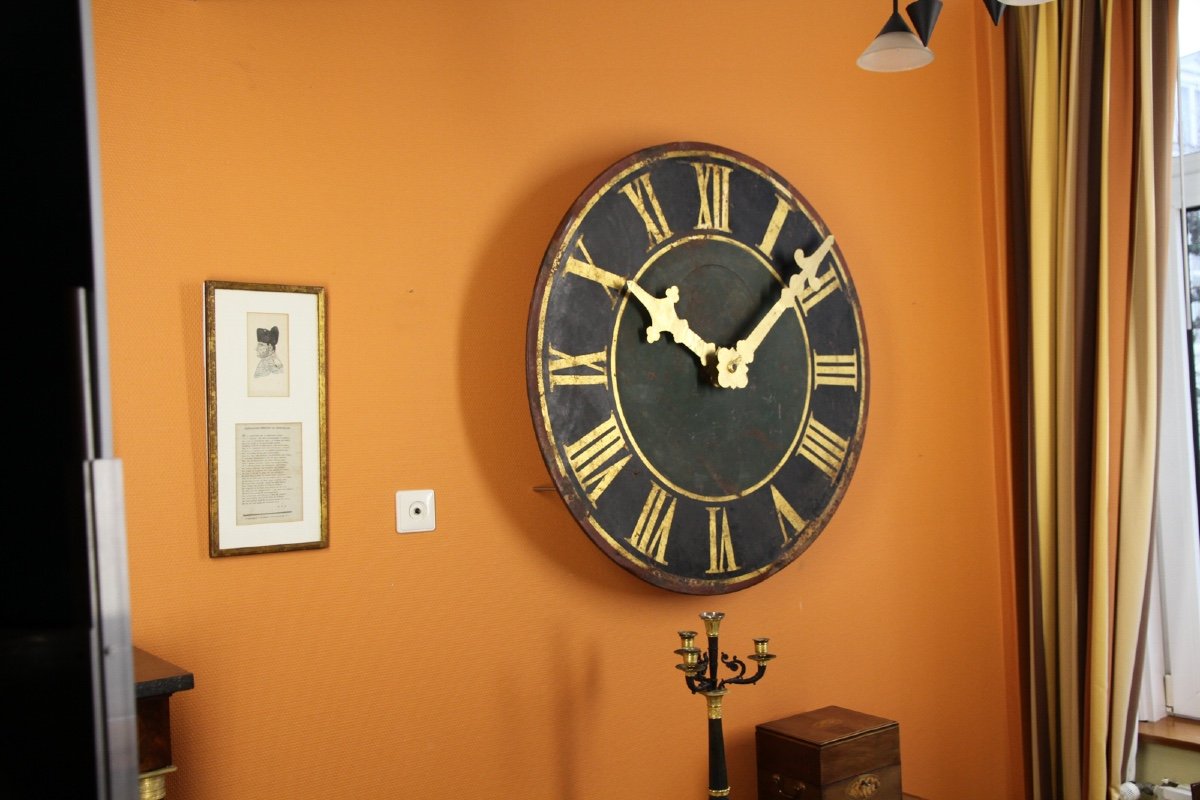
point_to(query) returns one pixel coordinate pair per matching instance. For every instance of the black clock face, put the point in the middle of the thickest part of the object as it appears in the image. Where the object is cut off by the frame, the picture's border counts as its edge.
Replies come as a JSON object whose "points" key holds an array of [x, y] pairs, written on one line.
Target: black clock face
{"points": [[697, 368]]}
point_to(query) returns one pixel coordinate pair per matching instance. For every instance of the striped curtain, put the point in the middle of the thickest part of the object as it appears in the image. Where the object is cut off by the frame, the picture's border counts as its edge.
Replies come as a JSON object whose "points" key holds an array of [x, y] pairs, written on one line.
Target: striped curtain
{"points": [[1090, 114]]}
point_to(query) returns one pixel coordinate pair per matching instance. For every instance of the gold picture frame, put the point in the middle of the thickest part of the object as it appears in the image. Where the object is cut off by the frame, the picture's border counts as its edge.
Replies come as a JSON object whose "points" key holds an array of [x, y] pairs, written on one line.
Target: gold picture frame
{"points": [[265, 387]]}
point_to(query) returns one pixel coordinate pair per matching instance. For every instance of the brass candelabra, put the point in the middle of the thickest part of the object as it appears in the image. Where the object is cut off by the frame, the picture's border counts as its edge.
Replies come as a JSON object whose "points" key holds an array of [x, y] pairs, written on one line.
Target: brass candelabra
{"points": [[700, 673]]}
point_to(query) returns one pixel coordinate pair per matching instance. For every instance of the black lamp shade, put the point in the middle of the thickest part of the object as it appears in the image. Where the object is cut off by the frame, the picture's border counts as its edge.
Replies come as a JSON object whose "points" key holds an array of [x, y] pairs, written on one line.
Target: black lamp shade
{"points": [[895, 24], [924, 14], [995, 9]]}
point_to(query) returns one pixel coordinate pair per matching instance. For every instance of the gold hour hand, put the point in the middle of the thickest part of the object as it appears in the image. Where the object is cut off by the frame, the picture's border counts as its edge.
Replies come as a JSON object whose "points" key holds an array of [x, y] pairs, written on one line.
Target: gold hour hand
{"points": [[733, 362], [663, 319]]}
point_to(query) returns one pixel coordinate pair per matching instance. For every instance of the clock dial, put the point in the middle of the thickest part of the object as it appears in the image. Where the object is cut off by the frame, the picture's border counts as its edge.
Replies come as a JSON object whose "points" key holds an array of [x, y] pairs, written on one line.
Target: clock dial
{"points": [[697, 368]]}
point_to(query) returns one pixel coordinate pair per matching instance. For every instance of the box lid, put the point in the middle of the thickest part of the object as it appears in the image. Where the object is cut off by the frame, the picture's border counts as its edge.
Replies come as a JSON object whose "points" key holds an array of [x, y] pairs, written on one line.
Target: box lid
{"points": [[826, 726]]}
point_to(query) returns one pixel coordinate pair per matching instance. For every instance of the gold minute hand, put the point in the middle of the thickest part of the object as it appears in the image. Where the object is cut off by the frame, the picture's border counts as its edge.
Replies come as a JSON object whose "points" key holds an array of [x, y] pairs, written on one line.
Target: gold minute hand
{"points": [[664, 319], [733, 362], [808, 264]]}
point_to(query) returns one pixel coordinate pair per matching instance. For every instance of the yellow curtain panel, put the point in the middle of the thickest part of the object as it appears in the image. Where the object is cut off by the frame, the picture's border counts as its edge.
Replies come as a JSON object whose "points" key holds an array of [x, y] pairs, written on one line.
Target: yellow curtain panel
{"points": [[1090, 119]]}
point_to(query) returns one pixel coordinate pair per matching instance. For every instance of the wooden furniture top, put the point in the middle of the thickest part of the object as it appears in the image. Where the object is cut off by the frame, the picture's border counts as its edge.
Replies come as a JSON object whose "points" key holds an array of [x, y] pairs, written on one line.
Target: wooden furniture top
{"points": [[154, 676]]}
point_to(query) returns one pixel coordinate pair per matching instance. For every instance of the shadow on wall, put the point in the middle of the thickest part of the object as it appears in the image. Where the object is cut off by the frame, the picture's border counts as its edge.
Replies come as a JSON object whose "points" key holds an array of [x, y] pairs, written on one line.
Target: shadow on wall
{"points": [[492, 355]]}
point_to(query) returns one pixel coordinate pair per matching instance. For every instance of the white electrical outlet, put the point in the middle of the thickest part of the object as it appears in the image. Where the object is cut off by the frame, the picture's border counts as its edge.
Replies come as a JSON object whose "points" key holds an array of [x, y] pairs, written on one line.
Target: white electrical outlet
{"points": [[415, 511]]}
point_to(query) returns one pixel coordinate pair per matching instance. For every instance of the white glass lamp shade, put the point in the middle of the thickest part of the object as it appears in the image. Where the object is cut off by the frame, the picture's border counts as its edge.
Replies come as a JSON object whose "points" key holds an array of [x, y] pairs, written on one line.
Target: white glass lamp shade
{"points": [[895, 51]]}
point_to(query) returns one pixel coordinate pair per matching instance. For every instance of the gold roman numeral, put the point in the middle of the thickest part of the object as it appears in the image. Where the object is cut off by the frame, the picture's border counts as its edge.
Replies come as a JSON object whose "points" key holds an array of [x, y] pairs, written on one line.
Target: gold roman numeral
{"points": [[596, 458], [790, 522], [836, 370], [720, 544], [713, 182], [580, 263], [592, 364], [641, 194], [824, 448], [771, 234], [654, 524]]}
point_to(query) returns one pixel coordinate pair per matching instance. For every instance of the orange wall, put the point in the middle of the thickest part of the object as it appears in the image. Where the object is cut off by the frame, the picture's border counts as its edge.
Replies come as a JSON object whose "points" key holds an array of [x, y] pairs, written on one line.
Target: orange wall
{"points": [[414, 159]]}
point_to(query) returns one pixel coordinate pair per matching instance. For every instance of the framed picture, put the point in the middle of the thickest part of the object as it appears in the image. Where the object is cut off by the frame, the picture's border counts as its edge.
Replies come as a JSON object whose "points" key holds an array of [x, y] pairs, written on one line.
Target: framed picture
{"points": [[265, 382]]}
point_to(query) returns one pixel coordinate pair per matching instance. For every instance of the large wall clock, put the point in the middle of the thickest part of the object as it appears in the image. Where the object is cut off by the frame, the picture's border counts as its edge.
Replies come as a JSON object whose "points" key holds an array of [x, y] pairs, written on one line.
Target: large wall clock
{"points": [[697, 368]]}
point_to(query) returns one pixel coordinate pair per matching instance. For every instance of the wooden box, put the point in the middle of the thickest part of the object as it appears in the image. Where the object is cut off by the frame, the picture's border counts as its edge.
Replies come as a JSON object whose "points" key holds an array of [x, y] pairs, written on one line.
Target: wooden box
{"points": [[830, 753]]}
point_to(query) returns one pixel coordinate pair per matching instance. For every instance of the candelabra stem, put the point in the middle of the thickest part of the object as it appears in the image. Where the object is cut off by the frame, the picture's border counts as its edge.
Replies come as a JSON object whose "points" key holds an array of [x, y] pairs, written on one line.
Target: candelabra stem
{"points": [[718, 776]]}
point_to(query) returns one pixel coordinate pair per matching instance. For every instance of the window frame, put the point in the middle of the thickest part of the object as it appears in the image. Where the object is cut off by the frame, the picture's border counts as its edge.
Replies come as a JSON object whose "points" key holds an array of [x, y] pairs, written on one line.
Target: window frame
{"points": [[1175, 656]]}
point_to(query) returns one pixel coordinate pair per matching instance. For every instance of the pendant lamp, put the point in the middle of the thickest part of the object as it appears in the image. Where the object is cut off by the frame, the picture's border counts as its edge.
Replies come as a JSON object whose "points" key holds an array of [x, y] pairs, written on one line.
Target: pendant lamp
{"points": [[924, 14], [995, 10], [896, 48]]}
